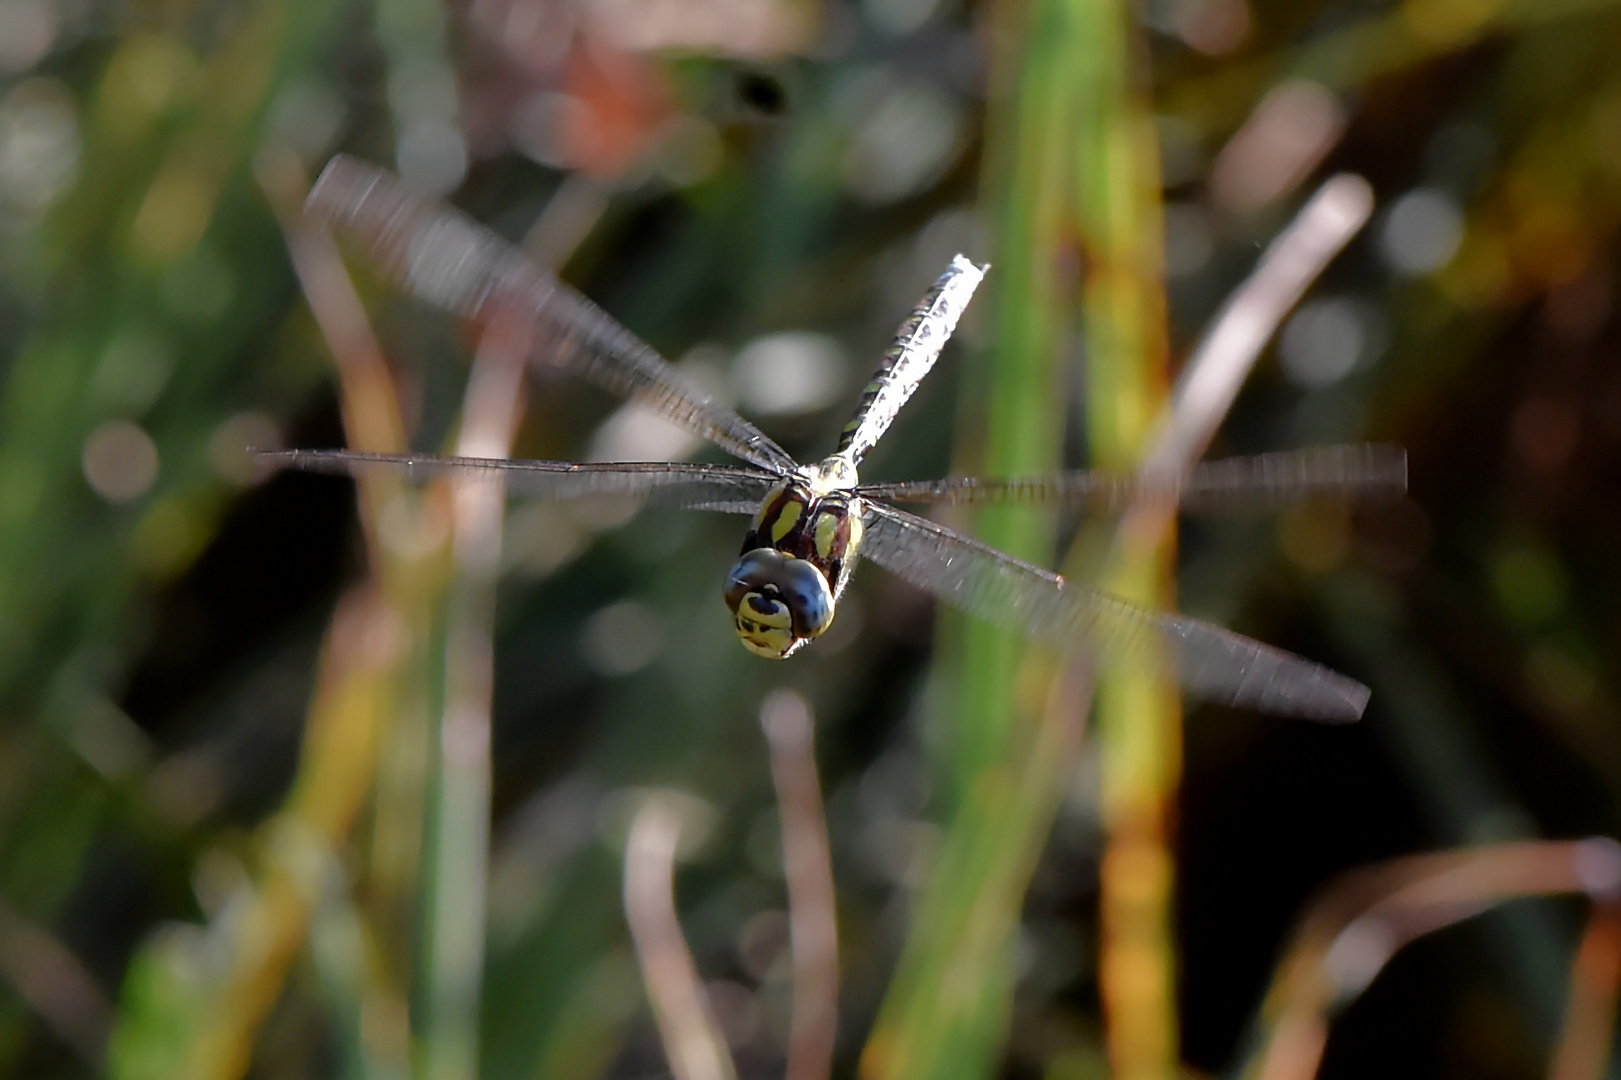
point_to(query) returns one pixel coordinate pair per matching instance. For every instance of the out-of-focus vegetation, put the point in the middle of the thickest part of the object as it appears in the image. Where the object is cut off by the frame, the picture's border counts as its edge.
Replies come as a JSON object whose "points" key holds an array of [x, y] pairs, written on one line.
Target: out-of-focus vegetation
{"points": [[251, 822]]}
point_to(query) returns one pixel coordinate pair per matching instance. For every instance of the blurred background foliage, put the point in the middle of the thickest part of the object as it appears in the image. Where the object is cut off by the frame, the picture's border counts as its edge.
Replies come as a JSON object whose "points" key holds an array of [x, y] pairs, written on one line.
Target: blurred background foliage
{"points": [[214, 758]]}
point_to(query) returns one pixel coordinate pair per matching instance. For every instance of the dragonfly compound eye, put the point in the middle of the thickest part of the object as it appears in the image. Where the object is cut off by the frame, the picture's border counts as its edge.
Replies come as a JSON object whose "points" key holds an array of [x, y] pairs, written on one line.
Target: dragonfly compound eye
{"points": [[778, 602]]}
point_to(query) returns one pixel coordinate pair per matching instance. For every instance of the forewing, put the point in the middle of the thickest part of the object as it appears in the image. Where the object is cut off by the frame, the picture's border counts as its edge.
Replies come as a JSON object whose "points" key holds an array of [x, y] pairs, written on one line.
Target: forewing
{"points": [[1362, 472], [1208, 661], [698, 487], [444, 257]]}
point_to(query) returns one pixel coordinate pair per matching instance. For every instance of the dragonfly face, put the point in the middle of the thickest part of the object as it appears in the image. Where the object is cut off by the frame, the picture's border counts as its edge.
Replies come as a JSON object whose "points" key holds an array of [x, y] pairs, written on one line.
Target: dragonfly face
{"points": [[796, 560], [779, 603]]}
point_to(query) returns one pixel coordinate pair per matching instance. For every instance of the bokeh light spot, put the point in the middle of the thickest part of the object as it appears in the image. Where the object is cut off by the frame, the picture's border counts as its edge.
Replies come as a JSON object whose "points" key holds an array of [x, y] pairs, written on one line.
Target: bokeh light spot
{"points": [[1214, 27], [169, 538], [120, 461], [1544, 431], [899, 17], [1530, 583], [1326, 340], [622, 638], [175, 211], [540, 125], [148, 75], [903, 137], [539, 538], [791, 372], [433, 157], [133, 371], [228, 447], [27, 30], [636, 433], [1421, 232], [39, 148], [307, 116]]}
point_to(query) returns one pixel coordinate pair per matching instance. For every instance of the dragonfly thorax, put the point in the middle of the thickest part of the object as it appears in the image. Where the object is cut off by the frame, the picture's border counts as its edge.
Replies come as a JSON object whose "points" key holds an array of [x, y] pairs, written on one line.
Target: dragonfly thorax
{"points": [[835, 473], [796, 560]]}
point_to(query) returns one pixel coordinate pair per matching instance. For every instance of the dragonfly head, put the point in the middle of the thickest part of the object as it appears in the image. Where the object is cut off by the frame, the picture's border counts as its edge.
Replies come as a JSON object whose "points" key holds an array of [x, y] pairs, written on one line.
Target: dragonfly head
{"points": [[778, 602]]}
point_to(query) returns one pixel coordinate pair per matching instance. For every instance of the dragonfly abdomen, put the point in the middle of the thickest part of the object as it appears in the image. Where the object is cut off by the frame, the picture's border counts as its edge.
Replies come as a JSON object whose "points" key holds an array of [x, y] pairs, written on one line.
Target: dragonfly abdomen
{"points": [[905, 363]]}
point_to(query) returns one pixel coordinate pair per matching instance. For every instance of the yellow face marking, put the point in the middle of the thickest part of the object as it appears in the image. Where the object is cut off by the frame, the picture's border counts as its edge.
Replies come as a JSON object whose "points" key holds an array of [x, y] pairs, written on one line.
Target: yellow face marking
{"points": [[827, 528], [786, 521], [770, 635]]}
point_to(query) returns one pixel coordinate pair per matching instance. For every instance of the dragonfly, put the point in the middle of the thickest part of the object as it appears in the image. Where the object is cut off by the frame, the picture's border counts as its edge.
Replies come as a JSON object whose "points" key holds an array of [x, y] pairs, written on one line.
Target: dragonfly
{"points": [[812, 524]]}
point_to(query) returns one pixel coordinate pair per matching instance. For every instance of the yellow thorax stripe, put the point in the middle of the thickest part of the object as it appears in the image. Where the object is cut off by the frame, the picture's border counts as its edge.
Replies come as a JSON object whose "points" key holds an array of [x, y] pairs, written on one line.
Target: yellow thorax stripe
{"points": [[786, 520]]}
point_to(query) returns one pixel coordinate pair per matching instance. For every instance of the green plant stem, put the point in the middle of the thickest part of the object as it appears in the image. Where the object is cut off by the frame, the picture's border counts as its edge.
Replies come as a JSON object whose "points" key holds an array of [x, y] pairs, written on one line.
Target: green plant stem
{"points": [[459, 823], [1138, 717], [947, 1011]]}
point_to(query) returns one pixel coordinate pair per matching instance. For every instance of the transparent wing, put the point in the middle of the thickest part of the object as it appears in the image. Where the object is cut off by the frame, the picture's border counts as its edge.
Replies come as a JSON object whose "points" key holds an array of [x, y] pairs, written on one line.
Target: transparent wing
{"points": [[1364, 472], [442, 256], [912, 355], [1208, 661], [696, 487]]}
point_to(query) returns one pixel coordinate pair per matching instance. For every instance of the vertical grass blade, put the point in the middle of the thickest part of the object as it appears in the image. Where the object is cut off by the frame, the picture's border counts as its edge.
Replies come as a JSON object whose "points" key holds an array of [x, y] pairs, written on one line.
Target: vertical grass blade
{"points": [[947, 1010], [459, 825], [1137, 716]]}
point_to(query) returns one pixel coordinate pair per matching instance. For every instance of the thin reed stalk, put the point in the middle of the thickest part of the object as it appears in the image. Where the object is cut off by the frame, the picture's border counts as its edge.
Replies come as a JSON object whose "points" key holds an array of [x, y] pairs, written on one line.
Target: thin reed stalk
{"points": [[1359, 921], [350, 711], [459, 810], [808, 868], [693, 1042], [354, 704]]}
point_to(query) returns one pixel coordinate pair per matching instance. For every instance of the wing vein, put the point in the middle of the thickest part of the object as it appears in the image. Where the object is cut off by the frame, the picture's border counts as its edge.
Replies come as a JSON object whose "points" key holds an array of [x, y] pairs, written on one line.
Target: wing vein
{"points": [[1205, 659], [447, 259], [690, 486]]}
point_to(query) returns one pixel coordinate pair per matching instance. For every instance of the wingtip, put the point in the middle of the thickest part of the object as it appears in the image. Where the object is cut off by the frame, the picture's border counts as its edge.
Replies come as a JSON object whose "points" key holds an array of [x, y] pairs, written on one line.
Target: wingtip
{"points": [[963, 262], [1387, 463], [335, 188], [1353, 703], [271, 455]]}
